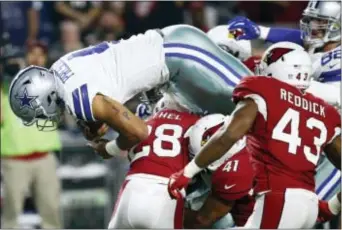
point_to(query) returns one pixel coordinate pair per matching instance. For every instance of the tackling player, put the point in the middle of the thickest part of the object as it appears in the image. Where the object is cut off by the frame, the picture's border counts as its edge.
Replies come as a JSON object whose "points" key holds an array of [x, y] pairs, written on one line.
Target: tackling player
{"points": [[93, 83], [231, 180], [231, 184], [143, 201], [321, 34], [285, 142]]}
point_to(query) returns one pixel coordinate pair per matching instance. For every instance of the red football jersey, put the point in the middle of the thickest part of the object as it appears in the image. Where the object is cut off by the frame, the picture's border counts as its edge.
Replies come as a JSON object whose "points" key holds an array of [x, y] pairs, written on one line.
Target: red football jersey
{"points": [[252, 62], [289, 134], [233, 181], [165, 151]]}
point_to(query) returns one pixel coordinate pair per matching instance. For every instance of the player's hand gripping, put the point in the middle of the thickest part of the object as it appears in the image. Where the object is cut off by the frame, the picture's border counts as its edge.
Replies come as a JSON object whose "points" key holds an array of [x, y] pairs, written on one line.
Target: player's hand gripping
{"points": [[92, 131], [178, 181], [249, 30], [324, 213], [99, 147], [327, 210]]}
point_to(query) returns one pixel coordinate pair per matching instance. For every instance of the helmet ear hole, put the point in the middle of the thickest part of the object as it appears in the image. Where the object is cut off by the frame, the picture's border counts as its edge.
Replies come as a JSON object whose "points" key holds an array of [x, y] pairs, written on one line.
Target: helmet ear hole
{"points": [[51, 97], [27, 82], [49, 100]]}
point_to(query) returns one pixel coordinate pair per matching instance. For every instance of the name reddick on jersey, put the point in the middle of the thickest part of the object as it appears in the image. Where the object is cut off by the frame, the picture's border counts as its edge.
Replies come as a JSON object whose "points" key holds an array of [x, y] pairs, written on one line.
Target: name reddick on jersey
{"points": [[302, 102]]}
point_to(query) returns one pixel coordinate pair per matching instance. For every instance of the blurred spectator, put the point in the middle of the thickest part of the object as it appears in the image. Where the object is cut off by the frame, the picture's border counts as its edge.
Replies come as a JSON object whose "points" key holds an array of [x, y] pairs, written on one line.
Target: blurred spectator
{"points": [[141, 16], [198, 15], [117, 7], [37, 54], [289, 12], [42, 21], [110, 27], [225, 10], [17, 20], [84, 13], [70, 40], [28, 163], [274, 11]]}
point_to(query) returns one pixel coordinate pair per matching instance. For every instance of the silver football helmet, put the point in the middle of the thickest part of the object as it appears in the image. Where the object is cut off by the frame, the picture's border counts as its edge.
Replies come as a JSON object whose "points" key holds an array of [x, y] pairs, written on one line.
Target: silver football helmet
{"points": [[321, 23], [33, 98]]}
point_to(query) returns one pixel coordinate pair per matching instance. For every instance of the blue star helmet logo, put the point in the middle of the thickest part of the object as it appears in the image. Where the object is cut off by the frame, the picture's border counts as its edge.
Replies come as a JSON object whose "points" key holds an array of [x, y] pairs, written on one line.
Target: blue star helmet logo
{"points": [[26, 100]]}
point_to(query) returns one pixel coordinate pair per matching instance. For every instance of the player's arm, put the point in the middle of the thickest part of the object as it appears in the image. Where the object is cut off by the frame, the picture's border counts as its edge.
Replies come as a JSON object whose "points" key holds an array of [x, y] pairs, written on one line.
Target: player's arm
{"points": [[212, 210], [235, 127], [132, 129], [33, 20], [275, 35], [333, 152], [233, 130], [253, 31], [327, 92], [65, 10]]}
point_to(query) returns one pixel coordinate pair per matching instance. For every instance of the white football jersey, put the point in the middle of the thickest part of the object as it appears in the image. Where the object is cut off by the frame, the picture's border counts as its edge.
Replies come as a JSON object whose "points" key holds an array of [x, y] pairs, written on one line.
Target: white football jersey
{"points": [[327, 76], [119, 70], [327, 66]]}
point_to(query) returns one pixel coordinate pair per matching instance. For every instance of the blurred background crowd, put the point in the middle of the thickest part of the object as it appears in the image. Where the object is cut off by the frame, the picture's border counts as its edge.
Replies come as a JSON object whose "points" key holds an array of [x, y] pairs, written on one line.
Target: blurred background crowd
{"points": [[52, 179]]}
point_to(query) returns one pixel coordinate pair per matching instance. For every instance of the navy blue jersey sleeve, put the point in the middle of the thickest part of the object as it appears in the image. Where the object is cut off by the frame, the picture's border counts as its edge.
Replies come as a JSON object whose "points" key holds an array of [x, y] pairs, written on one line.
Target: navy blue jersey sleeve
{"points": [[284, 34]]}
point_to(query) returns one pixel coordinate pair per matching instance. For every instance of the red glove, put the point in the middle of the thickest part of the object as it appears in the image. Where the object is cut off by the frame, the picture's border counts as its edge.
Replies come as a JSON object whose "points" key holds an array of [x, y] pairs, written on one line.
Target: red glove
{"points": [[324, 213], [177, 182]]}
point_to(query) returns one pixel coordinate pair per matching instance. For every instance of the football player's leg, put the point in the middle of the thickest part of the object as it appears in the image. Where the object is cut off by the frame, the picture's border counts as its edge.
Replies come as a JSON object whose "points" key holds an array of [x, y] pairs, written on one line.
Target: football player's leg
{"points": [[169, 214], [47, 191], [296, 208], [267, 211], [300, 209], [152, 207], [200, 72], [120, 213], [17, 180], [144, 203]]}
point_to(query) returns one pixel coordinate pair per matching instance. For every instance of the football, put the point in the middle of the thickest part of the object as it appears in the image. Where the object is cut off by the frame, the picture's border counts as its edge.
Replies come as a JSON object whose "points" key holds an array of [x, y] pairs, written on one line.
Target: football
{"points": [[92, 130], [94, 127]]}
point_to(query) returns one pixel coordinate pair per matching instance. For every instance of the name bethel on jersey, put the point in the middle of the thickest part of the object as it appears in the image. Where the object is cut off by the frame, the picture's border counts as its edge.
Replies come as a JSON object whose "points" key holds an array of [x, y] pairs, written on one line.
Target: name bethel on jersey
{"points": [[166, 150], [289, 133], [118, 70]]}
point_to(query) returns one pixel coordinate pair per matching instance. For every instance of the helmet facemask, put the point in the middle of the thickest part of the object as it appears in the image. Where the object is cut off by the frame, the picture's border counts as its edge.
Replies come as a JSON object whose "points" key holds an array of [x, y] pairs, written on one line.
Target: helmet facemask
{"points": [[321, 24], [47, 121], [317, 31]]}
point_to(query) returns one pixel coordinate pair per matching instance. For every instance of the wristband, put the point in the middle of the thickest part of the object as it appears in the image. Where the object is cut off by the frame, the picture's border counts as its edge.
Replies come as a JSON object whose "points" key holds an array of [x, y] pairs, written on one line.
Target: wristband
{"points": [[334, 205], [191, 169], [112, 148], [264, 31]]}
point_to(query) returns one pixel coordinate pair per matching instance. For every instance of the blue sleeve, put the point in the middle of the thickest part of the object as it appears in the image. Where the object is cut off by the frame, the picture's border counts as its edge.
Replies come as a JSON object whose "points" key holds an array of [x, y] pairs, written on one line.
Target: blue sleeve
{"points": [[284, 34]]}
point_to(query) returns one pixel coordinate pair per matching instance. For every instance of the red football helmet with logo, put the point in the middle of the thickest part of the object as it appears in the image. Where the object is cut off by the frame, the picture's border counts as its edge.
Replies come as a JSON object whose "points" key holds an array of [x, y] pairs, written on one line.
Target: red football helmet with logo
{"points": [[287, 62], [203, 130]]}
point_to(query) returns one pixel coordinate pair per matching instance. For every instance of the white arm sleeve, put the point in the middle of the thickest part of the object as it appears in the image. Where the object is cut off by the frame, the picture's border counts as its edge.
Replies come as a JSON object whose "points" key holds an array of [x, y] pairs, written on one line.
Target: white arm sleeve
{"points": [[327, 92]]}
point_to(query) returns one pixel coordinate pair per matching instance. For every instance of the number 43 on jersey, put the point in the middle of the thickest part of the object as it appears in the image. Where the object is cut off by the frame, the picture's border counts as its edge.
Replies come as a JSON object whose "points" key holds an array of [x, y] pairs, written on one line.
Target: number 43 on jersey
{"points": [[293, 139]]}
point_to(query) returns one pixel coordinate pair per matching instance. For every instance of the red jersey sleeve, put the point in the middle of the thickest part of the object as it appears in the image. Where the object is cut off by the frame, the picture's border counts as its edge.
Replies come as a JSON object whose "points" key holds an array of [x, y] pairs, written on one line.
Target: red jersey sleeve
{"points": [[233, 179], [252, 62], [255, 88]]}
